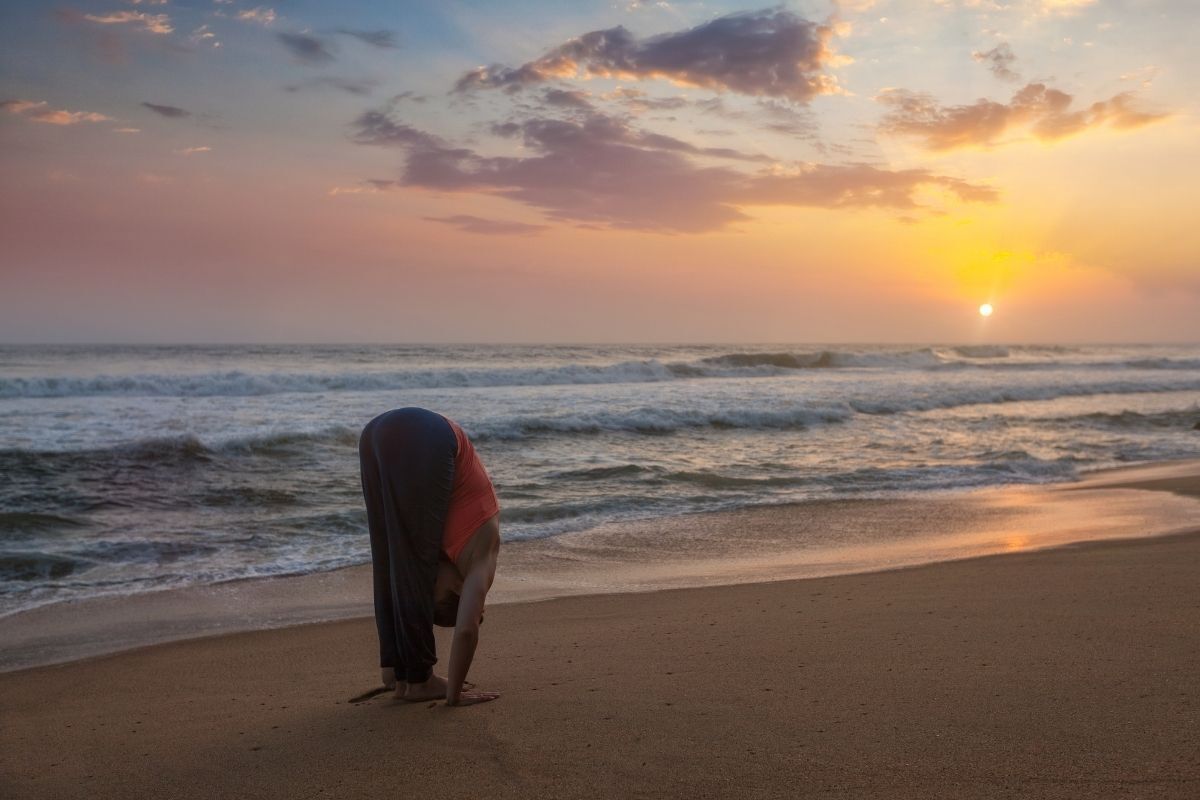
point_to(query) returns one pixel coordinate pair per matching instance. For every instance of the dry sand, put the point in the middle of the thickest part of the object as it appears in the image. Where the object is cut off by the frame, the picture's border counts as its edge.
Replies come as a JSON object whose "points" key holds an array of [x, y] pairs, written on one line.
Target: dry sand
{"points": [[1069, 672]]}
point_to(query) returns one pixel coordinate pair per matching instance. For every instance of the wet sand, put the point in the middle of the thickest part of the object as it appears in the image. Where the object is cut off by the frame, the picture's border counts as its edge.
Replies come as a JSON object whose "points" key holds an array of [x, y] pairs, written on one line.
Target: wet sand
{"points": [[814, 539], [1066, 672]]}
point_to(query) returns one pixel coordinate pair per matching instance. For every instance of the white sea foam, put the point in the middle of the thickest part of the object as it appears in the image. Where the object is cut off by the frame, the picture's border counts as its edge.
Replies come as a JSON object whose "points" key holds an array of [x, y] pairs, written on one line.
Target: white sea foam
{"points": [[238, 383], [131, 469]]}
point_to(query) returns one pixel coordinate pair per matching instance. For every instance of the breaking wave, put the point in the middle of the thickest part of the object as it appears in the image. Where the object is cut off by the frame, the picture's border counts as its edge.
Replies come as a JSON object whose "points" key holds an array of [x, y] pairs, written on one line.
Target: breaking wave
{"points": [[235, 383]]}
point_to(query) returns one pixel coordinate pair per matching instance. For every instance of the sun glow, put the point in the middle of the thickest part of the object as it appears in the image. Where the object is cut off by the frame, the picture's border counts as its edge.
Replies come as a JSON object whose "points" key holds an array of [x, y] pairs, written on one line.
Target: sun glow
{"points": [[985, 310]]}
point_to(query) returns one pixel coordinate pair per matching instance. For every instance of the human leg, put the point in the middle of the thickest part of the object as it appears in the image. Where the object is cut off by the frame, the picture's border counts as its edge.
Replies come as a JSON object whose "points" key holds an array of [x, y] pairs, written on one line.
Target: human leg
{"points": [[414, 450], [385, 618]]}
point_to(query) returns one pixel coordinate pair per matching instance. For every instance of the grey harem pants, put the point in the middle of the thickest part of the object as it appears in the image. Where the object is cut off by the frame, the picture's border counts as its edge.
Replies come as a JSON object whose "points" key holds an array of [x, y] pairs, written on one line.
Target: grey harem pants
{"points": [[407, 461]]}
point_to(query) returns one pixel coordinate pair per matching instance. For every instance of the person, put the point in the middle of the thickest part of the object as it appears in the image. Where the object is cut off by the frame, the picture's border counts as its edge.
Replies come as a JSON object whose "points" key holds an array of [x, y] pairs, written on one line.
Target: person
{"points": [[434, 524]]}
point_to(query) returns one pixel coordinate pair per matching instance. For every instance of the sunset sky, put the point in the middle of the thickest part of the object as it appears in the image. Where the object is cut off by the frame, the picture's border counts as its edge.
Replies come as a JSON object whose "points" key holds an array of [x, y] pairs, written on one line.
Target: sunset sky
{"points": [[599, 171]]}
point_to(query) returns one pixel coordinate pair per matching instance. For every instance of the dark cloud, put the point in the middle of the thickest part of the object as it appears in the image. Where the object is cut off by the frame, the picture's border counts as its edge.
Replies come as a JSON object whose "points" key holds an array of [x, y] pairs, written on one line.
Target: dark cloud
{"points": [[771, 53], [305, 48], [1044, 111], [356, 86], [784, 118], [411, 96], [377, 127], [766, 113], [490, 227], [566, 98], [637, 100], [999, 60], [548, 134], [600, 172], [380, 38], [171, 112]]}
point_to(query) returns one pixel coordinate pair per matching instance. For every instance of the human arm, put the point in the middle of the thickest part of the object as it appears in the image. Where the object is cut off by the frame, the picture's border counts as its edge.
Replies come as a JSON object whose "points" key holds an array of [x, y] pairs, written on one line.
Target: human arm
{"points": [[480, 574]]}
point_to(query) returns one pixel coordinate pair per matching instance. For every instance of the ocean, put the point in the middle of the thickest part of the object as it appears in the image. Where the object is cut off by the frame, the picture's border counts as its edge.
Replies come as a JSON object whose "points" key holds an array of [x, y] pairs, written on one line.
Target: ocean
{"points": [[127, 469]]}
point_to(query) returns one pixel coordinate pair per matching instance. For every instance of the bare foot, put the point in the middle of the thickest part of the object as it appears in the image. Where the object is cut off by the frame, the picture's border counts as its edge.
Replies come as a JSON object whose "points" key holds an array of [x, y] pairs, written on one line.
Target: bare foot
{"points": [[432, 689], [388, 676]]}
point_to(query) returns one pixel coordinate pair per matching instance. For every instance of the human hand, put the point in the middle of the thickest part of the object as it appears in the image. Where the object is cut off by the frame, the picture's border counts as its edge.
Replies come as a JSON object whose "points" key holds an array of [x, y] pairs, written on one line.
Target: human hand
{"points": [[473, 698]]}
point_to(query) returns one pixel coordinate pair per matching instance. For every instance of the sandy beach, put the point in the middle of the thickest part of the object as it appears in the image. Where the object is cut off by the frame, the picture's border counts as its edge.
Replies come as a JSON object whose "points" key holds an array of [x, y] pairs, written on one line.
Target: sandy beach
{"points": [[1065, 672], [830, 370]]}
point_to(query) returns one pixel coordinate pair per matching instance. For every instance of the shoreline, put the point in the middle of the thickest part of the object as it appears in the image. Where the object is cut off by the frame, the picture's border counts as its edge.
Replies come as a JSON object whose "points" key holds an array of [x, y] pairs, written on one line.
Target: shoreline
{"points": [[1068, 672], [695, 551]]}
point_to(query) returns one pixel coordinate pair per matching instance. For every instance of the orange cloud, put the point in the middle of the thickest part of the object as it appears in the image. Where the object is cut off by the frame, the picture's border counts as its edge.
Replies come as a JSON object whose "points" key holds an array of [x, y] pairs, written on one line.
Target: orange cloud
{"points": [[40, 111], [1045, 112], [260, 14], [151, 23]]}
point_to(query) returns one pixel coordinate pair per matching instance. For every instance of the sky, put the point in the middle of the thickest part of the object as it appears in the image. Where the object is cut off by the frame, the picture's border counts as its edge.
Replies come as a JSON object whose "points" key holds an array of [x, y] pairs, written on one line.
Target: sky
{"points": [[854, 171]]}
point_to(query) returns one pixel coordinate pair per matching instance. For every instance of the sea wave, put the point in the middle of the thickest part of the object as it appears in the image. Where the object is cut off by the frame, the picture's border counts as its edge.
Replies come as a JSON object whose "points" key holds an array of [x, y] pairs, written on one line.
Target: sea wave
{"points": [[981, 351], [1186, 419], [653, 421], [645, 421], [29, 522], [28, 567], [735, 364]]}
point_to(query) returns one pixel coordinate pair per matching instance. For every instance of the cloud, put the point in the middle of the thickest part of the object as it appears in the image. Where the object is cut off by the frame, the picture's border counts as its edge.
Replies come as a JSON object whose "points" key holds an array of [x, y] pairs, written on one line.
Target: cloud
{"points": [[260, 14], [154, 178], [1062, 6], [204, 35], [768, 114], [127, 130], [40, 111], [1045, 112], [380, 38], [377, 127], [489, 227], [355, 86], [1026, 7], [170, 112], [548, 133], [769, 53], [191, 151], [638, 101], [151, 23], [305, 48], [567, 98], [411, 96], [366, 187], [600, 172], [999, 60]]}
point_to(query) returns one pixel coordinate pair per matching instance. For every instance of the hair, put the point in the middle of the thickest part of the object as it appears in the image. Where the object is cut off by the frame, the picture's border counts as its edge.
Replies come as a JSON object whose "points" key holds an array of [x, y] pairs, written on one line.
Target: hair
{"points": [[445, 610]]}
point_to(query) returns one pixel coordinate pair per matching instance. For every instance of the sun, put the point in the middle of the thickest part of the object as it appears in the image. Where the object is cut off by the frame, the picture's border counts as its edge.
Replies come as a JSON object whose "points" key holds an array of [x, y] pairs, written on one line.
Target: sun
{"points": [[985, 310]]}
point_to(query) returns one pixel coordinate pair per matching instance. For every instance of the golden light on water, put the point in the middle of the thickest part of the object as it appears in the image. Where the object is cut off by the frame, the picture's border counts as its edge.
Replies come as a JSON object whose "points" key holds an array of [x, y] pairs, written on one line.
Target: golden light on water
{"points": [[985, 310]]}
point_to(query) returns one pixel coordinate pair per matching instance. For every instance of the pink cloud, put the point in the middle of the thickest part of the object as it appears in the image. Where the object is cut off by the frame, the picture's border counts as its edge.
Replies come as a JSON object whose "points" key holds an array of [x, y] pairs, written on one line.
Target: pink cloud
{"points": [[40, 111]]}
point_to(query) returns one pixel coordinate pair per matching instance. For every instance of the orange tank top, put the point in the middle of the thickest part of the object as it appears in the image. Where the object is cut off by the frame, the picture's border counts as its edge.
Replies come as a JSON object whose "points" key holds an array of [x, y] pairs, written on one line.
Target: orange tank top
{"points": [[472, 498]]}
